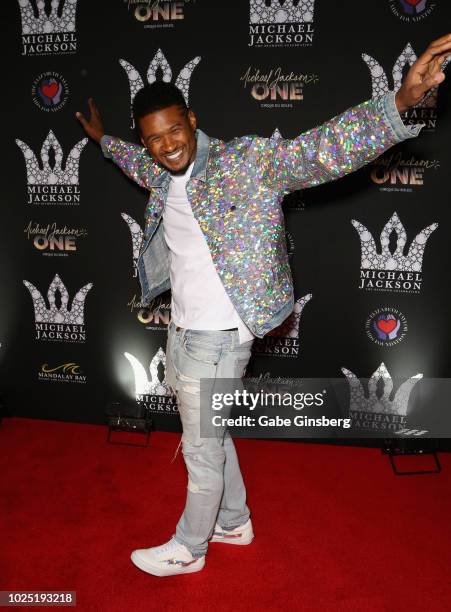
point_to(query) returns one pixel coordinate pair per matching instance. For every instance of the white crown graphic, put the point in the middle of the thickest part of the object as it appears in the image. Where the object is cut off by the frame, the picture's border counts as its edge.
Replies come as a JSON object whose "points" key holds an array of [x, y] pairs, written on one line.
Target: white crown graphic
{"points": [[275, 136], [383, 404], [281, 11], [42, 314], [136, 233], [290, 327], [43, 24], [55, 175], [159, 62], [144, 386], [380, 80], [396, 261]]}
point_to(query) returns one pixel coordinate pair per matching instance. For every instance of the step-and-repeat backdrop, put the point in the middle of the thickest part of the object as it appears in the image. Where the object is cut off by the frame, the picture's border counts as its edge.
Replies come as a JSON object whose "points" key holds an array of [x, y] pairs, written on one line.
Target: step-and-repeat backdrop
{"points": [[369, 253]]}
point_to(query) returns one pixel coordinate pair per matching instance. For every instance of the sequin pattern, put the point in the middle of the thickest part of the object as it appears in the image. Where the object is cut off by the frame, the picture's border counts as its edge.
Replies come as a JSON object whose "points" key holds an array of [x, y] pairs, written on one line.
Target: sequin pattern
{"points": [[238, 206]]}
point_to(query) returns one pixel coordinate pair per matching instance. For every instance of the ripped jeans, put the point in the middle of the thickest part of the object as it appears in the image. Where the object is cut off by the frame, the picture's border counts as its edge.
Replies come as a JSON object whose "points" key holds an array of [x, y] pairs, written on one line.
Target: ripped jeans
{"points": [[216, 491]]}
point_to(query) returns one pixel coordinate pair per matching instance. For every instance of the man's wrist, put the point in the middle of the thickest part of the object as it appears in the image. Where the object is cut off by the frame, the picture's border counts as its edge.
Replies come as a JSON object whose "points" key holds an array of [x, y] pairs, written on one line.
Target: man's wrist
{"points": [[400, 105]]}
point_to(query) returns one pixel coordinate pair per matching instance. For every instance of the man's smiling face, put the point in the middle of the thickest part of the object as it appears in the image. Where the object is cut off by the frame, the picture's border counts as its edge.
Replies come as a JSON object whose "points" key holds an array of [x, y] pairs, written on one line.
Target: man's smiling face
{"points": [[169, 136]]}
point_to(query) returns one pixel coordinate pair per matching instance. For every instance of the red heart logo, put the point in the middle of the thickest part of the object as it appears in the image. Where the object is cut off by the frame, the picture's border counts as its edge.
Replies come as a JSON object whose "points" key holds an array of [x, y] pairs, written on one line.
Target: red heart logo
{"points": [[50, 89], [413, 2], [386, 325]]}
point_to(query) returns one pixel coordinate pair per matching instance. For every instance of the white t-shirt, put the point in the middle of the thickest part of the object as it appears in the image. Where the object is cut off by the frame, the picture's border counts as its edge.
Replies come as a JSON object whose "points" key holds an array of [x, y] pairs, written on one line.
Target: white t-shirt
{"points": [[199, 300]]}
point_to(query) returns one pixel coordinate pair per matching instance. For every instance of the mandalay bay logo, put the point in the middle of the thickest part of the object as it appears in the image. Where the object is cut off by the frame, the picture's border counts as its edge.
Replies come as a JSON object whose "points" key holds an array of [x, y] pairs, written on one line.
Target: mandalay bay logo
{"points": [[48, 32], [159, 64], [66, 372], [424, 113], [48, 183], [154, 393], [59, 322], [274, 88], [412, 11], [157, 13], [391, 270], [50, 239], [283, 341], [281, 23], [154, 316]]}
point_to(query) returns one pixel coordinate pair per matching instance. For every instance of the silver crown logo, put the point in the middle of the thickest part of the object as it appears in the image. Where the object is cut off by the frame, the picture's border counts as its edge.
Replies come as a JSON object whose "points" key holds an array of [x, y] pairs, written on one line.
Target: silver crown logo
{"points": [[144, 385], [275, 136], [43, 24], [159, 62], [290, 327], [72, 316], [396, 261], [137, 235], [55, 175], [380, 80], [382, 404], [281, 11]]}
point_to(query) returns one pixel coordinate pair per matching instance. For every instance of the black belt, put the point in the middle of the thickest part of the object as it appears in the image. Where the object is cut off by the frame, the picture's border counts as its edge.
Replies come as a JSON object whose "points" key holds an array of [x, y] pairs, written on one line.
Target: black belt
{"points": [[230, 329]]}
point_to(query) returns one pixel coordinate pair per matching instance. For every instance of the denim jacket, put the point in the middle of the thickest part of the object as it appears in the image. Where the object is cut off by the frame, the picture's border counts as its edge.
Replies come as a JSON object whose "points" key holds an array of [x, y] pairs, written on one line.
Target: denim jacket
{"points": [[235, 191]]}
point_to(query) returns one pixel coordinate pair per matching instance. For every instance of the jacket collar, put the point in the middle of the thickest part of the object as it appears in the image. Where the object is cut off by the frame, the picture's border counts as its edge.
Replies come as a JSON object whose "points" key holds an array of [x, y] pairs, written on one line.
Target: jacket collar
{"points": [[200, 163]]}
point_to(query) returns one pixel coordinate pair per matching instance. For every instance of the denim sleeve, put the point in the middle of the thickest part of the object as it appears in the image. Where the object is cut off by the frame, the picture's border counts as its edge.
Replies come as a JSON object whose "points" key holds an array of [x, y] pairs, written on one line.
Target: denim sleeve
{"points": [[131, 158], [337, 147]]}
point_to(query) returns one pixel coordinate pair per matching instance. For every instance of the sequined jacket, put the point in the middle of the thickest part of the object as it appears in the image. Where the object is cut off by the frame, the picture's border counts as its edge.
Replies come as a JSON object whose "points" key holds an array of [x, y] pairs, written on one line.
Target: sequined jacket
{"points": [[235, 191]]}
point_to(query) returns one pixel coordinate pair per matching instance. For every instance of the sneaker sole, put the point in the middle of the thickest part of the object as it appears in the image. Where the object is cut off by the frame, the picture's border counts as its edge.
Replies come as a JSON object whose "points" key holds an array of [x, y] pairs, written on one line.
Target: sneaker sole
{"points": [[245, 539], [156, 570]]}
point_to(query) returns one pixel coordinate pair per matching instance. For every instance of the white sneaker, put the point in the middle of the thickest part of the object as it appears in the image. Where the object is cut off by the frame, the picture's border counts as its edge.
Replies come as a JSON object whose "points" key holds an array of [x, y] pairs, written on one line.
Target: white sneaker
{"points": [[168, 559], [241, 535]]}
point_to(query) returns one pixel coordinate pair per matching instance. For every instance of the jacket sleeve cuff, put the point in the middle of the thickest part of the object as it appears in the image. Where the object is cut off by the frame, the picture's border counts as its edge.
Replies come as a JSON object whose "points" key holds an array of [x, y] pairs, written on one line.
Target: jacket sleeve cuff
{"points": [[105, 142], [400, 130]]}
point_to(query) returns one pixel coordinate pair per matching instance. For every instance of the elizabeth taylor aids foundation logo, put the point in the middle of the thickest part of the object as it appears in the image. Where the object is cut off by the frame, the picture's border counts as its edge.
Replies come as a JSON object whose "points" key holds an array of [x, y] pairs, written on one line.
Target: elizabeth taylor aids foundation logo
{"points": [[386, 326], [151, 390], [283, 341], [412, 11], [388, 269], [48, 32], [58, 321], [281, 23], [48, 182], [50, 91]]}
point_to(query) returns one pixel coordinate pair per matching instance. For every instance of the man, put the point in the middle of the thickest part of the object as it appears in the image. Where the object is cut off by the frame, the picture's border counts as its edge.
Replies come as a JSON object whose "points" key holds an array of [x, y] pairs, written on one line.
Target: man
{"points": [[214, 228]]}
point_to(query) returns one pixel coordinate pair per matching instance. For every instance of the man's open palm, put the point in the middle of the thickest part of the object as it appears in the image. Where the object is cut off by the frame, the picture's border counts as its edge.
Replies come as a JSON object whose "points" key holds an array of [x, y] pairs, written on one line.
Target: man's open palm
{"points": [[92, 126]]}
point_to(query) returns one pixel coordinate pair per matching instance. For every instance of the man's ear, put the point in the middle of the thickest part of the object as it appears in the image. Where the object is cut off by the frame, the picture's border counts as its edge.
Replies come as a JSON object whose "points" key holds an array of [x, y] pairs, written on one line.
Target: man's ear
{"points": [[192, 119]]}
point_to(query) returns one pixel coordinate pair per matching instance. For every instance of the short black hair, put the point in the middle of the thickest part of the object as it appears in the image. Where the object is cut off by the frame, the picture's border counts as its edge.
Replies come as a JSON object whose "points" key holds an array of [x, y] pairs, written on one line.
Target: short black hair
{"points": [[155, 97]]}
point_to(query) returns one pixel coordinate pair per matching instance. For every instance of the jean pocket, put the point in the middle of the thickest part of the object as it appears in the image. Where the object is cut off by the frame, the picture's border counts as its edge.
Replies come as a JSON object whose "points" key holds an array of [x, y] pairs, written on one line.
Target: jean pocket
{"points": [[199, 349]]}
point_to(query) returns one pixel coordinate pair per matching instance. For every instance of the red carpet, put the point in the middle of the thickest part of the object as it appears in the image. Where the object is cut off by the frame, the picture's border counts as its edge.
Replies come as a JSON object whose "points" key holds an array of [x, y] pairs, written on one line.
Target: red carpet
{"points": [[335, 529]]}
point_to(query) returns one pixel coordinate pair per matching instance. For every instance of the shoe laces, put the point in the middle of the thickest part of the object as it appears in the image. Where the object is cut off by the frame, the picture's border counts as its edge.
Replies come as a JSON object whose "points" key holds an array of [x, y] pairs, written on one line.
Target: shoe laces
{"points": [[168, 547]]}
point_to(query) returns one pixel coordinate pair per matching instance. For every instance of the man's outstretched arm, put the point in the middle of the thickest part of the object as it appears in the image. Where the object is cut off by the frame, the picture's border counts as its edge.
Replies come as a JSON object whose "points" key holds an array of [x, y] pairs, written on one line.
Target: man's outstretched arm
{"points": [[133, 159], [357, 136]]}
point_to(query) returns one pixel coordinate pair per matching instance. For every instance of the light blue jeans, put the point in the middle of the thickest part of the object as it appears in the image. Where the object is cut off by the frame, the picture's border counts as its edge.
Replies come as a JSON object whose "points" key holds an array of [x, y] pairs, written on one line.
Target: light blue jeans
{"points": [[216, 491]]}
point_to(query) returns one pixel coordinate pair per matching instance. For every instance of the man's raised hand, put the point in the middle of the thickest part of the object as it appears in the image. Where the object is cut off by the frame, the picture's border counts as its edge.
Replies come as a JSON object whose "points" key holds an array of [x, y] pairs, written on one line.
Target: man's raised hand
{"points": [[92, 126], [424, 74]]}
